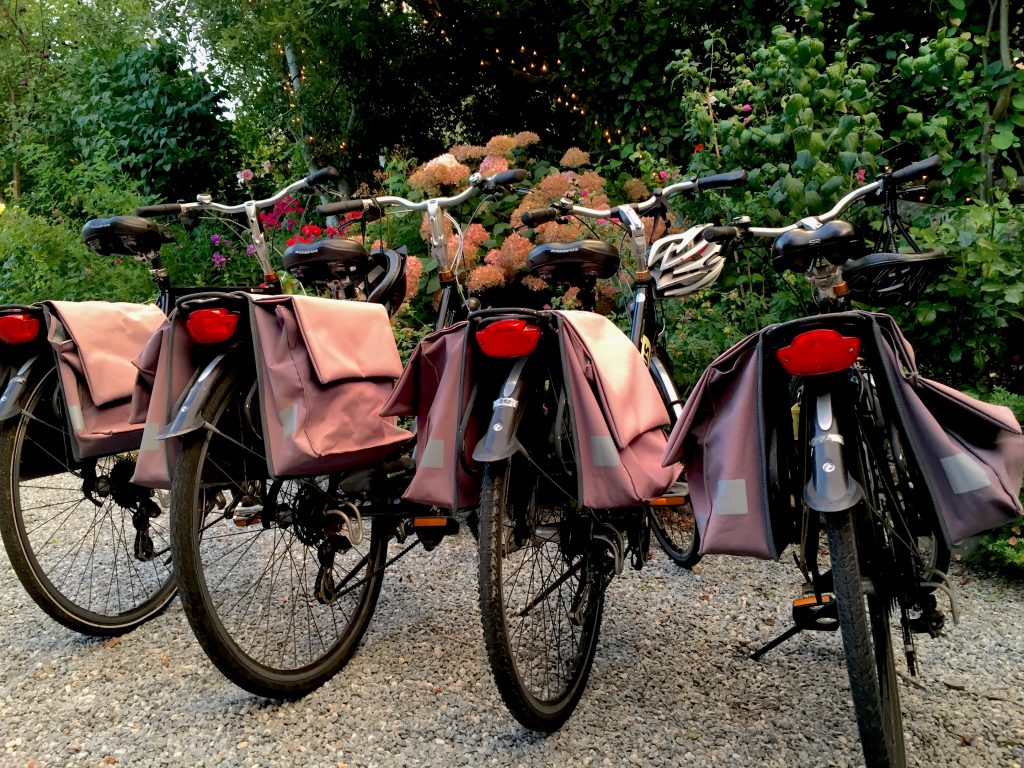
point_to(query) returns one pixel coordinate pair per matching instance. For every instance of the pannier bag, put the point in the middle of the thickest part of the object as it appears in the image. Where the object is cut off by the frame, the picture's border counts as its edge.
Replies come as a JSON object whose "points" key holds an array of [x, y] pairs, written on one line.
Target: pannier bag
{"points": [[325, 368], [94, 343], [736, 425], [616, 410]]}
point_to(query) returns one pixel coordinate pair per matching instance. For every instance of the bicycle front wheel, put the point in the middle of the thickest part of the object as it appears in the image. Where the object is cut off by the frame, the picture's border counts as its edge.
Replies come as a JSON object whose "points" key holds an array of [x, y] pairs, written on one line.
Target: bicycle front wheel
{"points": [[867, 646], [279, 579], [541, 594], [91, 548]]}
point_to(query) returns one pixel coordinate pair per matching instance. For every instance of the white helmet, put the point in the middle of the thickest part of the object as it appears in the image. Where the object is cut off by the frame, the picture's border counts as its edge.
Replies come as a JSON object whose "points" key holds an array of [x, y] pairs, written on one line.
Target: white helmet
{"points": [[684, 263]]}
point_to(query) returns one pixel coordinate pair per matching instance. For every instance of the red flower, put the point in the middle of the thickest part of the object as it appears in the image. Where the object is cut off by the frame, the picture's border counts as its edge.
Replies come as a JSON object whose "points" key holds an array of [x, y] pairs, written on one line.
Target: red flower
{"points": [[311, 230], [353, 215], [698, 148], [332, 231]]}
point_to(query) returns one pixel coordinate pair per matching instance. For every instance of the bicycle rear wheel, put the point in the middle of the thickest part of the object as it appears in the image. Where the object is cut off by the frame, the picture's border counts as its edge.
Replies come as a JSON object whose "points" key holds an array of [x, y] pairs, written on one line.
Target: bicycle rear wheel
{"points": [[91, 548], [279, 579], [541, 593], [867, 645], [675, 527]]}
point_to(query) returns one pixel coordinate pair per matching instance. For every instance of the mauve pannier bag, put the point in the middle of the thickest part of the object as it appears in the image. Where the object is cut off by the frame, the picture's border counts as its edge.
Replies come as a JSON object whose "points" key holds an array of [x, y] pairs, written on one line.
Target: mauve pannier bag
{"points": [[94, 343]]}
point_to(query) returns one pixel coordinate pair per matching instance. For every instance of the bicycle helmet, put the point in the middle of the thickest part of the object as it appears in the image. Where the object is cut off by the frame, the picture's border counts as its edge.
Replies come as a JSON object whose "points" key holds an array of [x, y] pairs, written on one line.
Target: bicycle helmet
{"points": [[684, 263]]}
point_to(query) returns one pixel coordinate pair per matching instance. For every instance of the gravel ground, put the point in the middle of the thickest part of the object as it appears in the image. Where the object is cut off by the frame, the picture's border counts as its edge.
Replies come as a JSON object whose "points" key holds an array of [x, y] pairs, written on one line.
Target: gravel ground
{"points": [[672, 684]]}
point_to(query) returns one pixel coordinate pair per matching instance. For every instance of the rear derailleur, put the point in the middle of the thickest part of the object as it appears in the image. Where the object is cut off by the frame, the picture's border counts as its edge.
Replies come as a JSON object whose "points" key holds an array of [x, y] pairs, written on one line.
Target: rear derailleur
{"points": [[118, 486]]}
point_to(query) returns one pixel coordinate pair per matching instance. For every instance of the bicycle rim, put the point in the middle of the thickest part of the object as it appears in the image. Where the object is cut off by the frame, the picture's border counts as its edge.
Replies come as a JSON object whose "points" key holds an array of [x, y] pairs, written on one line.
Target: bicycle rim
{"points": [[541, 595], [867, 646], [77, 557], [676, 531], [275, 615]]}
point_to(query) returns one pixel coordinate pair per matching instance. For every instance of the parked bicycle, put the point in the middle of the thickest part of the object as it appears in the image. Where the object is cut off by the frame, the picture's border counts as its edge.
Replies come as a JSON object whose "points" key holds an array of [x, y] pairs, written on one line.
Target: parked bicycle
{"points": [[280, 572], [88, 544], [567, 457], [886, 462]]}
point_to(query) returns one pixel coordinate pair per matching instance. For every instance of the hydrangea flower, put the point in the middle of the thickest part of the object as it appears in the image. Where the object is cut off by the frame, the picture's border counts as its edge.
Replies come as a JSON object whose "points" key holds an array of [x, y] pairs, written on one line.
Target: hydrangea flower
{"points": [[244, 175]]}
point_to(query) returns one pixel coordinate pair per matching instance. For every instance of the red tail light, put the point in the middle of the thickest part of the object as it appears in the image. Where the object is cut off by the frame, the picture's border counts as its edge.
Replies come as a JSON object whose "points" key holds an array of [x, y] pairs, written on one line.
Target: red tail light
{"points": [[210, 326], [817, 352], [18, 328], [508, 338]]}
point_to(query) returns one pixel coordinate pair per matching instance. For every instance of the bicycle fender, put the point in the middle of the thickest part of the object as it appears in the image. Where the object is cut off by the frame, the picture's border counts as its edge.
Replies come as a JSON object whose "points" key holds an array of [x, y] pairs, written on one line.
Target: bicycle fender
{"points": [[830, 489], [500, 442], [190, 415], [10, 401]]}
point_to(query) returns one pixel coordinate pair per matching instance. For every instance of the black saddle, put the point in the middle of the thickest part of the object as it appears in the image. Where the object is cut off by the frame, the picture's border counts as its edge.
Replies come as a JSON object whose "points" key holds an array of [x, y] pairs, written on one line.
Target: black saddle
{"points": [[836, 241], [567, 262], [123, 236], [330, 259]]}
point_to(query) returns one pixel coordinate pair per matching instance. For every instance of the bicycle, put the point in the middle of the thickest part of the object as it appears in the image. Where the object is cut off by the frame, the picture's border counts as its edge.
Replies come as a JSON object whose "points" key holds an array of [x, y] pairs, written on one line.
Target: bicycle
{"points": [[279, 573], [107, 572], [858, 465], [552, 535]]}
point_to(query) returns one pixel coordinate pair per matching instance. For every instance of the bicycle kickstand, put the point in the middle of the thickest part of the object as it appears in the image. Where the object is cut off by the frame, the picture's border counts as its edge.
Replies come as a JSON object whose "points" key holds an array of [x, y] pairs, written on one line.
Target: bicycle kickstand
{"points": [[812, 612]]}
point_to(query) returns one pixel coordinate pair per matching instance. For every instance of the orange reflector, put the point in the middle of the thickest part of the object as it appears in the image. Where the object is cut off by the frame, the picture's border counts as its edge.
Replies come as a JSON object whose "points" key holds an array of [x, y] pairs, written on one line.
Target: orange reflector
{"points": [[800, 602], [429, 522], [668, 501]]}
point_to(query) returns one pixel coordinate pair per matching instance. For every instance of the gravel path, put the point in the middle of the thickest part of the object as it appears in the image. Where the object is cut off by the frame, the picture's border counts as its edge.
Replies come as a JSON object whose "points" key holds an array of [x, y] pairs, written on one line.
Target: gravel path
{"points": [[671, 684]]}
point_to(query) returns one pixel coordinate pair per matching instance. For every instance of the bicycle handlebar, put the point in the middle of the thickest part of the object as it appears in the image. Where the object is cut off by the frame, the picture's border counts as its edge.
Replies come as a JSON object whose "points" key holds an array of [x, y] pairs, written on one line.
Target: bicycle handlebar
{"points": [[564, 207], [476, 182], [163, 209], [916, 170], [316, 177]]}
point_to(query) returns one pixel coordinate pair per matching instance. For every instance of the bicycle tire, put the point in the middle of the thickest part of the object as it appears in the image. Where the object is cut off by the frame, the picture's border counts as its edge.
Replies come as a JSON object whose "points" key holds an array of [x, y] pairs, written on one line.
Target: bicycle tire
{"points": [[269, 652], [81, 569], [540, 681], [675, 528], [867, 646]]}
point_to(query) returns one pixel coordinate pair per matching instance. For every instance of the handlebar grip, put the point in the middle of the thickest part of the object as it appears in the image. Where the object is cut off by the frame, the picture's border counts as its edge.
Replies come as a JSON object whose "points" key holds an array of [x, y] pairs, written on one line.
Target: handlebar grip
{"points": [[720, 234], [342, 206], [508, 177], [723, 180], [330, 172], [917, 170], [163, 209], [539, 216]]}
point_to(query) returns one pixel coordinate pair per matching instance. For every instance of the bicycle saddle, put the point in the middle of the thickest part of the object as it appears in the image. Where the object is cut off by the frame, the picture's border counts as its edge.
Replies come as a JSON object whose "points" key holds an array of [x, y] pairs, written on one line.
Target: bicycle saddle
{"points": [[328, 259], [886, 279], [565, 262], [836, 241], [122, 236]]}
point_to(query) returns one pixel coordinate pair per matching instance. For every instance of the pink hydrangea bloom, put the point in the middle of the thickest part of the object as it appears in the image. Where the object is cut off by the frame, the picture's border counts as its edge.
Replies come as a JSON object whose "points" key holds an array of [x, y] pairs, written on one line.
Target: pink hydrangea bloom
{"points": [[484, 277], [500, 145], [244, 175], [413, 272], [574, 157], [493, 164]]}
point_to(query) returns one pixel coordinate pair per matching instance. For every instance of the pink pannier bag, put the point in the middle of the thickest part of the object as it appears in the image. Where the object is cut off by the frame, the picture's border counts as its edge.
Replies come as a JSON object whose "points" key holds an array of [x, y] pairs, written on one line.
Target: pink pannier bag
{"points": [[615, 406], [325, 368], [165, 370], [94, 343]]}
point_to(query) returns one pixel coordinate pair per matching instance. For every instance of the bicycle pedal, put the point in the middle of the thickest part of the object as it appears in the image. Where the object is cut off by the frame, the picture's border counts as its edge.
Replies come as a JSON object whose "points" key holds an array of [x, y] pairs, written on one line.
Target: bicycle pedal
{"points": [[929, 623], [434, 528], [814, 613], [243, 517], [674, 496]]}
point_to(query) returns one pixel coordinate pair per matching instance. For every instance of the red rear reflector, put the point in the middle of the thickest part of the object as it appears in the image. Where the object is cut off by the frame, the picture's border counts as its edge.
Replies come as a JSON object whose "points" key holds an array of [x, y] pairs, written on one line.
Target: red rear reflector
{"points": [[209, 326], [508, 338], [817, 352], [18, 328]]}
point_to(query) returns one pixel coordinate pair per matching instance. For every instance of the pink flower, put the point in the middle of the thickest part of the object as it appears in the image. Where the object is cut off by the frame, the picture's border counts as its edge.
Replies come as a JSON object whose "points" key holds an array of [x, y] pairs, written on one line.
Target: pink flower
{"points": [[663, 175], [267, 166], [747, 107], [218, 260], [746, 120], [493, 164], [244, 175], [1012, 541], [215, 239], [861, 173]]}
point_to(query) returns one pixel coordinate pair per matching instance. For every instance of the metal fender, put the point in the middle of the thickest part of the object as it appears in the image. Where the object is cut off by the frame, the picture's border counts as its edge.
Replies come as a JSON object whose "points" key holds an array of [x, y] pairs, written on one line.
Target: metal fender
{"points": [[10, 401], [190, 415], [830, 487], [500, 442]]}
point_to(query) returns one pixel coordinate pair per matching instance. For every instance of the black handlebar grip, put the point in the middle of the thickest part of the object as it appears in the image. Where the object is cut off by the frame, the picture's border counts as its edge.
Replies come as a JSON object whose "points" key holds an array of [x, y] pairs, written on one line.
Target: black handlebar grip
{"points": [[343, 206], [720, 234], [508, 177], [164, 209], [723, 180], [330, 172], [539, 216], [917, 170]]}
